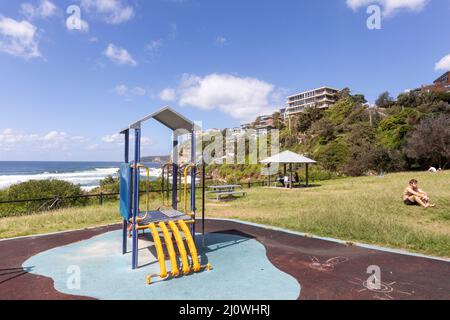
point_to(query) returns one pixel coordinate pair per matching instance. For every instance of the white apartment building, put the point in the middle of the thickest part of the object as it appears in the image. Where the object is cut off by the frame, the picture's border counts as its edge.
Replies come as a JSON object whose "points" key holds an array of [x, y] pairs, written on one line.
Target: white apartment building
{"points": [[319, 98]]}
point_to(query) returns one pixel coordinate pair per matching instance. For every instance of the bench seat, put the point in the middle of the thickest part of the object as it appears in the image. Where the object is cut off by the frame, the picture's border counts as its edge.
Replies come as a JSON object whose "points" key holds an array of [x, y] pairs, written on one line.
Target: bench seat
{"points": [[219, 195]]}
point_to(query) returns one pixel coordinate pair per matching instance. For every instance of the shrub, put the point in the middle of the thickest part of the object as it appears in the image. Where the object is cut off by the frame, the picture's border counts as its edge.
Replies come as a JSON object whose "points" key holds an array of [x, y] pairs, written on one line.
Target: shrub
{"points": [[429, 143], [40, 189]]}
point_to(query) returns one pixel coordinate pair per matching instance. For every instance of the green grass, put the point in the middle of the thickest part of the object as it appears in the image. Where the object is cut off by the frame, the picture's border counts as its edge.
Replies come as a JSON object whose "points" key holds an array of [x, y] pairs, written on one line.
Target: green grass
{"points": [[366, 209], [62, 220]]}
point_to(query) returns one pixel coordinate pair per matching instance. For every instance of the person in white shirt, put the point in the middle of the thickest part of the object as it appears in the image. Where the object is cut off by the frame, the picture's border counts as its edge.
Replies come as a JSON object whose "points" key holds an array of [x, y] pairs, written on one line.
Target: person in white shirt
{"points": [[286, 181]]}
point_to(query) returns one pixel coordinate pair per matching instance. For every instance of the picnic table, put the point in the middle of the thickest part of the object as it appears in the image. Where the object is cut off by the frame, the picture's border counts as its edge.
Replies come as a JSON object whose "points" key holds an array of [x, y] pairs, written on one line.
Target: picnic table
{"points": [[227, 191]]}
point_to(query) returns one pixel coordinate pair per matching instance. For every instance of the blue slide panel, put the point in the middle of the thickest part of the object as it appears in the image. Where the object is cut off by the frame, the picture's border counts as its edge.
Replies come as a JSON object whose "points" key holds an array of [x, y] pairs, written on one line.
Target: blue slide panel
{"points": [[125, 190]]}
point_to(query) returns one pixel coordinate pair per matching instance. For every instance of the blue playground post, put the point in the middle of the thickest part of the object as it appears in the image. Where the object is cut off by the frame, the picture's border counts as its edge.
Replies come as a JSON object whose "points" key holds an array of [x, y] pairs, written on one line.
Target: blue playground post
{"points": [[125, 222], [137, 159]]}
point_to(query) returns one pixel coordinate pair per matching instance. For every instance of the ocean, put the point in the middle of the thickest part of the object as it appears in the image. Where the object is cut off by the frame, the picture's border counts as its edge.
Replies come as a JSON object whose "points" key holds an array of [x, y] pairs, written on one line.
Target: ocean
{"points": [[86, 174]]}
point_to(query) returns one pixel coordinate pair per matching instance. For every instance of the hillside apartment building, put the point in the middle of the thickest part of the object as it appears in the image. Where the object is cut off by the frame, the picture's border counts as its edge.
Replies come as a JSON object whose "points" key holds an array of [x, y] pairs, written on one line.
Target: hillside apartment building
{"points": [[321, 98]]}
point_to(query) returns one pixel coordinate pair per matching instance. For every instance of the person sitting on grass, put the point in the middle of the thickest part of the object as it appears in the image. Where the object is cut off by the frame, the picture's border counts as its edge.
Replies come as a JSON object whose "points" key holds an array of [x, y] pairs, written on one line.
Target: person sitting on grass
{"points": [[414, 196]]}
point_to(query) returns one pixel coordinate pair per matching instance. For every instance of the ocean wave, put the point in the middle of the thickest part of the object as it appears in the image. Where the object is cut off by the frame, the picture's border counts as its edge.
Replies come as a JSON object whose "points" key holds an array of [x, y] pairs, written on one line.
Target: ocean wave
{"points": [[86, 178]]}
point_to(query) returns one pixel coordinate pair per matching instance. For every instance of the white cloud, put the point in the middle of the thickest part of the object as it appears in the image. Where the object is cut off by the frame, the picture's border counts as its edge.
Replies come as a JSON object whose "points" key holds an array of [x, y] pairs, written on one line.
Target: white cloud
{"points": [[18, 38], [168, 94], [443, 64], [241, 98], [83, 27], [221, 41], [11, 139], [119, 139], [390, 6], [124, 91], [154, 45], [138, 91], [119, 55], [114, 138], [121, 90], [113, 11], [45, 9]]}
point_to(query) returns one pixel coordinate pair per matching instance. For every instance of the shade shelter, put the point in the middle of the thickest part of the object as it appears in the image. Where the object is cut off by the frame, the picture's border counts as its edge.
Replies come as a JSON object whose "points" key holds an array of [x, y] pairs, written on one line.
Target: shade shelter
{"points": [[290, 158]]}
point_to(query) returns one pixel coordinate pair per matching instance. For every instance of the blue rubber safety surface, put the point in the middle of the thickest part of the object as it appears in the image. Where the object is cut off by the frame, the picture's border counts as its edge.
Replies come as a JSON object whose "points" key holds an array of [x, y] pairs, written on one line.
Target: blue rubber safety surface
{"points": [[241, 271]]}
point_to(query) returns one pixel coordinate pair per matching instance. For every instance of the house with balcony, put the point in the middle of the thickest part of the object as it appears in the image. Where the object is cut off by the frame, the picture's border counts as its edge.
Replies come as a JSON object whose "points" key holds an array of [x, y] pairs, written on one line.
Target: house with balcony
{"points": [[441, 84]]}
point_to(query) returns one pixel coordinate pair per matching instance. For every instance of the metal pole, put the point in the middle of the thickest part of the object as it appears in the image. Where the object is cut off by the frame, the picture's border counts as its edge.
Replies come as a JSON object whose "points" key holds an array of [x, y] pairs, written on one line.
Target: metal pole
{"points": [[203, 195], [193, 180], [307, 175], [292, 176], [137, 159], [175, 172], [125, 222], [127, 146]]}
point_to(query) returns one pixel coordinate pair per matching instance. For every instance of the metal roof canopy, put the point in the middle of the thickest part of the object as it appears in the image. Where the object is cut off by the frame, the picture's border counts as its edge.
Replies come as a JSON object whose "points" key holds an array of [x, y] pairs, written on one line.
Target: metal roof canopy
{"points": [[168, 117], [288, 157]]}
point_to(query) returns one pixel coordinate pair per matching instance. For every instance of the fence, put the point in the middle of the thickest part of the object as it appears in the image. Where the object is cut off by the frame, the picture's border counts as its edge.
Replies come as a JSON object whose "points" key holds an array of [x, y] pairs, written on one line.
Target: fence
{"points": [[54, 202]]}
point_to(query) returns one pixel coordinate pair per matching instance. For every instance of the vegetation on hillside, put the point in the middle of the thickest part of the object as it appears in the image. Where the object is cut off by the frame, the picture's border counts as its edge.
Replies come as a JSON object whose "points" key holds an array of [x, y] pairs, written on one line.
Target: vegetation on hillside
{"points": [[410, 133], [351, 138]]}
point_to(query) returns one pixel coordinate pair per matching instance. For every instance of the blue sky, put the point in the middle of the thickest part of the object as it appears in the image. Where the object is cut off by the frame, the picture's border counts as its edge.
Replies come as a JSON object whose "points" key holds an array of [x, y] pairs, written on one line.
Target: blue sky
{"points": [[65, 93]]}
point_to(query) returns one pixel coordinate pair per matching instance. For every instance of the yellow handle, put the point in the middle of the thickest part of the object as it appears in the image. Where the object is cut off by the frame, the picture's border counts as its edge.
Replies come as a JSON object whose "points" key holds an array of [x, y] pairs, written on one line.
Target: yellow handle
{"points": [[148, 194]]}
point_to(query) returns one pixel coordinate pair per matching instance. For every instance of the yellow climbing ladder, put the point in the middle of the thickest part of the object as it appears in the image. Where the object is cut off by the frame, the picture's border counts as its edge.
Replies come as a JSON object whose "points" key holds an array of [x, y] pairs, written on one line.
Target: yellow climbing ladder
{"points": [[169, 246], [174, 228], [191, 245], [159, 250]]}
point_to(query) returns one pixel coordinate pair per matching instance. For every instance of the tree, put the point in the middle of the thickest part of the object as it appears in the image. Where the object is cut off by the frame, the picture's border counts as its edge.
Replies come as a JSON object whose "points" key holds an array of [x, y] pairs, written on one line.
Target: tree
{"points": [[384, 100], [305, 120], [394, 129], [278, 121], [323, 131], [344, 93], [429, 143], [333, 155]]}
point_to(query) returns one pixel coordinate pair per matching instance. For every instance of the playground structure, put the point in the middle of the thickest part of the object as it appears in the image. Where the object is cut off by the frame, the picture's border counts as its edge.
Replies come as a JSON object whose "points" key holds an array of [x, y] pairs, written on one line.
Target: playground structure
{"points": [[166, 220]]}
